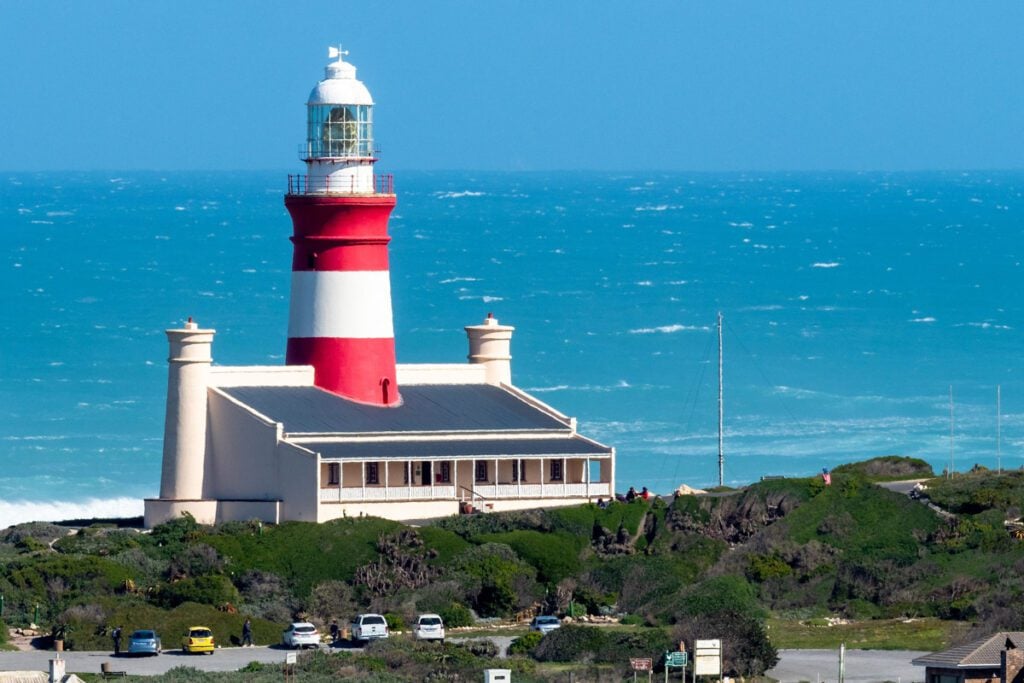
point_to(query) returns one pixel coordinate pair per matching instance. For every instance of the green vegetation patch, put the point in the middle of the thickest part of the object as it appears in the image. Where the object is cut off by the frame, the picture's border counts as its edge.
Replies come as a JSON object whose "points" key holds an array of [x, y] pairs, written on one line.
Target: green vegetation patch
{"points": [[865, 521], [888, 468], [303, 553], [554, 555], [927, 634]]}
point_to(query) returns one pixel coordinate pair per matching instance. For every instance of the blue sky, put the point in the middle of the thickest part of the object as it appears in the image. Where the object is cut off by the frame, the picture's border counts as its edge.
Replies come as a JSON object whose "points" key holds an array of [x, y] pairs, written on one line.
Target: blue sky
{"points": [[528, 85]]}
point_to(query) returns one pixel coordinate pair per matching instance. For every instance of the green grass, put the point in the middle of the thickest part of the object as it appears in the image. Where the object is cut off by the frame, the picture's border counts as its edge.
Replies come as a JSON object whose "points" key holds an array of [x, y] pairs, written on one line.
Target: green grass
{"points": [[881, 634]]}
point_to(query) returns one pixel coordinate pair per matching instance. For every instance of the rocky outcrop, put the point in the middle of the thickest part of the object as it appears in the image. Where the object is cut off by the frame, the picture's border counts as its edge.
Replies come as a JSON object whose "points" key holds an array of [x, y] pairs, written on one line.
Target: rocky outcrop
{"points": [[733, 518]]}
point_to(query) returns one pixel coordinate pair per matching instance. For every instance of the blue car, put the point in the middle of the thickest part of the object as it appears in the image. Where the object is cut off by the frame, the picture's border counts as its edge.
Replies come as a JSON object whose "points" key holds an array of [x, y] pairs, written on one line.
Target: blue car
{"points": [[144, 643]]}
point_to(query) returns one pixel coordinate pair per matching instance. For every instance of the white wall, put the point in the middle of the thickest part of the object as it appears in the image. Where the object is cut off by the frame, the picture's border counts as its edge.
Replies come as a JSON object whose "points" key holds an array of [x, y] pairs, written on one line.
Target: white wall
{"points": [[243, 459], [298, 473]]}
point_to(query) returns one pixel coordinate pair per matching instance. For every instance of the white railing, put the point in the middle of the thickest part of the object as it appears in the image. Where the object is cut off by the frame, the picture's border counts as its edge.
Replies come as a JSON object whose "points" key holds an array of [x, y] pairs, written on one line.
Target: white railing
{"points": [[335, 494], [448, 492]]}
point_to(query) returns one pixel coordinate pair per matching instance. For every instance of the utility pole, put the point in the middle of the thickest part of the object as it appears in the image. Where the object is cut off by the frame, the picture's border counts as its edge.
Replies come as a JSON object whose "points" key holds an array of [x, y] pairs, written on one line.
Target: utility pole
{"points": [[721, 409]]}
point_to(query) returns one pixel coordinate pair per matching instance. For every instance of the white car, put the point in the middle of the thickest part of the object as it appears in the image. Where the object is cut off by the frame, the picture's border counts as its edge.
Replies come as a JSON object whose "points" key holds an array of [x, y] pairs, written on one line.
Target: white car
{"points": [[366, 627], [301, 634], [545, 624], [429, 627]]}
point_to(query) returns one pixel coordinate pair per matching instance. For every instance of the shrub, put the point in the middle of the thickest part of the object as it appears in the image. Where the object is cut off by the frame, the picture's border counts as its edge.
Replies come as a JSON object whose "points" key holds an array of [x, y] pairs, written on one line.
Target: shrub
{"points": [[480, 647], [571, 643], [395, 622], [495, 579], [456, 615], [554, 555], [332, 599], [195, 560], [746, 650], [760, 568], [205, 590], [524, 645]]}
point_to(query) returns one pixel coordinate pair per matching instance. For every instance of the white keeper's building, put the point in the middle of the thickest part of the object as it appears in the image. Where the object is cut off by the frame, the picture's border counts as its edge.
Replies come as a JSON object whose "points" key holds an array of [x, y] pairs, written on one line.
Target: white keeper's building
{"points": [[342, 429]]}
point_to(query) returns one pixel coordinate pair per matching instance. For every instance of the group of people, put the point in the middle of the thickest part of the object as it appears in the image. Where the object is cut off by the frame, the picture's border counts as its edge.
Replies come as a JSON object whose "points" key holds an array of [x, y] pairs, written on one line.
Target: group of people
{"points": [[631, 495]]}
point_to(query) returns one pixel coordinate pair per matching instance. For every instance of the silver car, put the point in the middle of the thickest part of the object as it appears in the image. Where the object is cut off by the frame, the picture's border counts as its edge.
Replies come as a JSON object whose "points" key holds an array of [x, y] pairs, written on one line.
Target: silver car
{"points": [[144, 642], [545, 624]]}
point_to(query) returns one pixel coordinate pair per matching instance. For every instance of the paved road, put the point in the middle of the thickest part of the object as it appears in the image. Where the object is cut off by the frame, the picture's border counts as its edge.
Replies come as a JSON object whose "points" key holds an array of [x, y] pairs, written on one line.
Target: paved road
{"points": [[862, 666], [224, 659]]}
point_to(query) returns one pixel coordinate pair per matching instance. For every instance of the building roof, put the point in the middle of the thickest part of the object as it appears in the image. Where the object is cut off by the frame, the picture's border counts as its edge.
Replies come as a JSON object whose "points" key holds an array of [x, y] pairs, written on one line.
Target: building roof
{"points": [[424, 408], [979, 654], [449, 448]]}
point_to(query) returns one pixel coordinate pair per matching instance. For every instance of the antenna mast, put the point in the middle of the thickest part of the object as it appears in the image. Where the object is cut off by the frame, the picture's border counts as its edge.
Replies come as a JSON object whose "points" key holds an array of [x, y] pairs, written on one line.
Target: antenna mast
{"points": [[721, 409], [999, 440], [949, 473]]}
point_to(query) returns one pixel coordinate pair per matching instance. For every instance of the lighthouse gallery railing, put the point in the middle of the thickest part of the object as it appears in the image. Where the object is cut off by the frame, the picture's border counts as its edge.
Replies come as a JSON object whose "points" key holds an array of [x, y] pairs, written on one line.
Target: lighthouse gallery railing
{"points": [[306, 184]]}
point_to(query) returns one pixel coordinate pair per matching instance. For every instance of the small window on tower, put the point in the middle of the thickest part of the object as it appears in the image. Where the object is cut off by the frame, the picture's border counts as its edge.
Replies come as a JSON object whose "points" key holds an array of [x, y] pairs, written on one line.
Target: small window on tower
{"points": [[312, 260]]}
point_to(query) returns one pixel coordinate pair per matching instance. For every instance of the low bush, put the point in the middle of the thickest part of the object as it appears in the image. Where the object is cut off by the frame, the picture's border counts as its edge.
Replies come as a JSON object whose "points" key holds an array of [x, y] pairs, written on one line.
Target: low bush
{"points": [[456, 615], [395, 622], [205, 590], [525, 645], [571, 643]]}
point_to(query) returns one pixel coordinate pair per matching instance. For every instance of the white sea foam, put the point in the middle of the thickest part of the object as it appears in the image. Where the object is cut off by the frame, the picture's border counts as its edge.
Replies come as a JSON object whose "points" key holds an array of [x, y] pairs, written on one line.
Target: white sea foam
{"points": [[458, 195], [986, 326], [621, 384], [180, 208], [459, 279], [60, 213], [669, 329], [17, 512], [828, 264], [925, 319]]}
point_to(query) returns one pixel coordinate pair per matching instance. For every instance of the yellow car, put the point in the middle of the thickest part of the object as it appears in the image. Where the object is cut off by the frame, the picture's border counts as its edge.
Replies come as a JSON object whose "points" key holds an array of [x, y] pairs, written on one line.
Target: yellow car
{"points": [[199, 639]]}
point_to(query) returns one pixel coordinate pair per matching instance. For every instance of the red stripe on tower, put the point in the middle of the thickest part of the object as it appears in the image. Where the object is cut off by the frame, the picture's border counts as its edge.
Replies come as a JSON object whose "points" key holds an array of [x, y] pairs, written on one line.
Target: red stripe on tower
{"points": [[340, 318]]}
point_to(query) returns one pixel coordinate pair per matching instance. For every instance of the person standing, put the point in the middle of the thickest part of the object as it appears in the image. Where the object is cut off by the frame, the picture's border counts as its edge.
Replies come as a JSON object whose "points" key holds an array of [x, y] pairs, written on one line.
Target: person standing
{"points": [[247, 633], [115, 635], [334, 631]]}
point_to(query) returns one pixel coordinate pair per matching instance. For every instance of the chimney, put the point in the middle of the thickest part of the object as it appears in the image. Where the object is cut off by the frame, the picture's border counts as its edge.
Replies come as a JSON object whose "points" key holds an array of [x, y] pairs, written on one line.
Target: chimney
{"points": [[185, 425], [490, 344]]}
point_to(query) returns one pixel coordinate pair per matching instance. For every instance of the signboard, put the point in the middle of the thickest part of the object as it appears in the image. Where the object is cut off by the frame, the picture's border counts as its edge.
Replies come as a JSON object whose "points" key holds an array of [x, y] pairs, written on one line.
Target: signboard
{"points": [[289, 658], [707, 657], [675, 659], [641, 664]]}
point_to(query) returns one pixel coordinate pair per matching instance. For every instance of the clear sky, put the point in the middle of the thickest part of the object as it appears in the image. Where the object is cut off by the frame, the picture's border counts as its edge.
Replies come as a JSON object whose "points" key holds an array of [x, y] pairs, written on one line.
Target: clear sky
{"points": [[525, 85]]}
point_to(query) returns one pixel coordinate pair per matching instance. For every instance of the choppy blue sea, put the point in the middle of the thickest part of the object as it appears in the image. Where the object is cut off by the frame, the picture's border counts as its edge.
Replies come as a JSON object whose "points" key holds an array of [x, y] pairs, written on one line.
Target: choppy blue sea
{"points": [[852, 303]]}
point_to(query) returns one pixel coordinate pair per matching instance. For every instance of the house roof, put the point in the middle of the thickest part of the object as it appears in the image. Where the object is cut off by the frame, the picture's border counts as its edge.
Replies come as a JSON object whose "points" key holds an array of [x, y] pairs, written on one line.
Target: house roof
{"points": [[979, 654], [467, 448], [424, 408]]}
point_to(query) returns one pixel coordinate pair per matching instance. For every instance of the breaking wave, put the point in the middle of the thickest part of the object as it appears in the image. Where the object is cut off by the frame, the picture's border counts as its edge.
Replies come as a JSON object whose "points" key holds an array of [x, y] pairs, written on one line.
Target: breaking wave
{"points": [[18, 512]]}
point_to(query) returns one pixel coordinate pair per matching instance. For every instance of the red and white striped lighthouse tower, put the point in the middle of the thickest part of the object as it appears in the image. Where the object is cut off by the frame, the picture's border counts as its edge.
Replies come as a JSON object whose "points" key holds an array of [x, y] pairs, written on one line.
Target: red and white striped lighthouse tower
{"points": [[340, 318]]}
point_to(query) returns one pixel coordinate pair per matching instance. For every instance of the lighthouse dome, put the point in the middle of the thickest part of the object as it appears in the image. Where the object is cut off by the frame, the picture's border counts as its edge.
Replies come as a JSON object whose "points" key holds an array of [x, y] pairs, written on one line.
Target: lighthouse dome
{"points": [[340, 86]]}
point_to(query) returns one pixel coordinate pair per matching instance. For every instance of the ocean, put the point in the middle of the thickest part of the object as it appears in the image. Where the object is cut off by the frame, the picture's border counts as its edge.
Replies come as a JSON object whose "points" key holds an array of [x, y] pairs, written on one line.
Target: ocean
{"points": [[853, 303]]}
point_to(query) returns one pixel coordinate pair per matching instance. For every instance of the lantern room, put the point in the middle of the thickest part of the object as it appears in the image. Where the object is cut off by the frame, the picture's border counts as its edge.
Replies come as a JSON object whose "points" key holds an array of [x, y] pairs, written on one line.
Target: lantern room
{"points": [[339, 151]]}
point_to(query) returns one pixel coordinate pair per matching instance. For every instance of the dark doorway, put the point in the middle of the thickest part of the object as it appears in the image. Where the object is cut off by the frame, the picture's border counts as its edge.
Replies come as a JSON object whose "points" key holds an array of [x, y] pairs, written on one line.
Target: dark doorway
{"points": [[426, 474]]}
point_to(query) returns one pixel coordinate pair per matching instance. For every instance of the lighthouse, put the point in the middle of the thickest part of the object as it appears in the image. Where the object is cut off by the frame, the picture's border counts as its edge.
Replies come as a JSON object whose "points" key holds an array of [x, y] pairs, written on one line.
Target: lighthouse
{"points": [[340, 318]]}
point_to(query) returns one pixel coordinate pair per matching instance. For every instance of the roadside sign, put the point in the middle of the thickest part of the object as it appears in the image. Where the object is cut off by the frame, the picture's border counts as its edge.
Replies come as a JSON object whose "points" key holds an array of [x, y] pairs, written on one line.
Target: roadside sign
{"points": [[675, 659], [289, 657], [707, 657], [641, 664]]}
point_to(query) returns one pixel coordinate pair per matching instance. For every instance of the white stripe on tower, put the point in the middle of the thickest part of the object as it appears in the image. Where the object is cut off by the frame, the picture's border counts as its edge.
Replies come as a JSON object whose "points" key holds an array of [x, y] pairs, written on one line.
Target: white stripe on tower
{"points": [[341, 304]]}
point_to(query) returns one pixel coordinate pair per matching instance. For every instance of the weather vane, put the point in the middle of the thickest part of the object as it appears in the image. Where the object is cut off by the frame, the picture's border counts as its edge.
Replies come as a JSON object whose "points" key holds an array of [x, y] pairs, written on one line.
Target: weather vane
{"points": [[333, 52]]}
